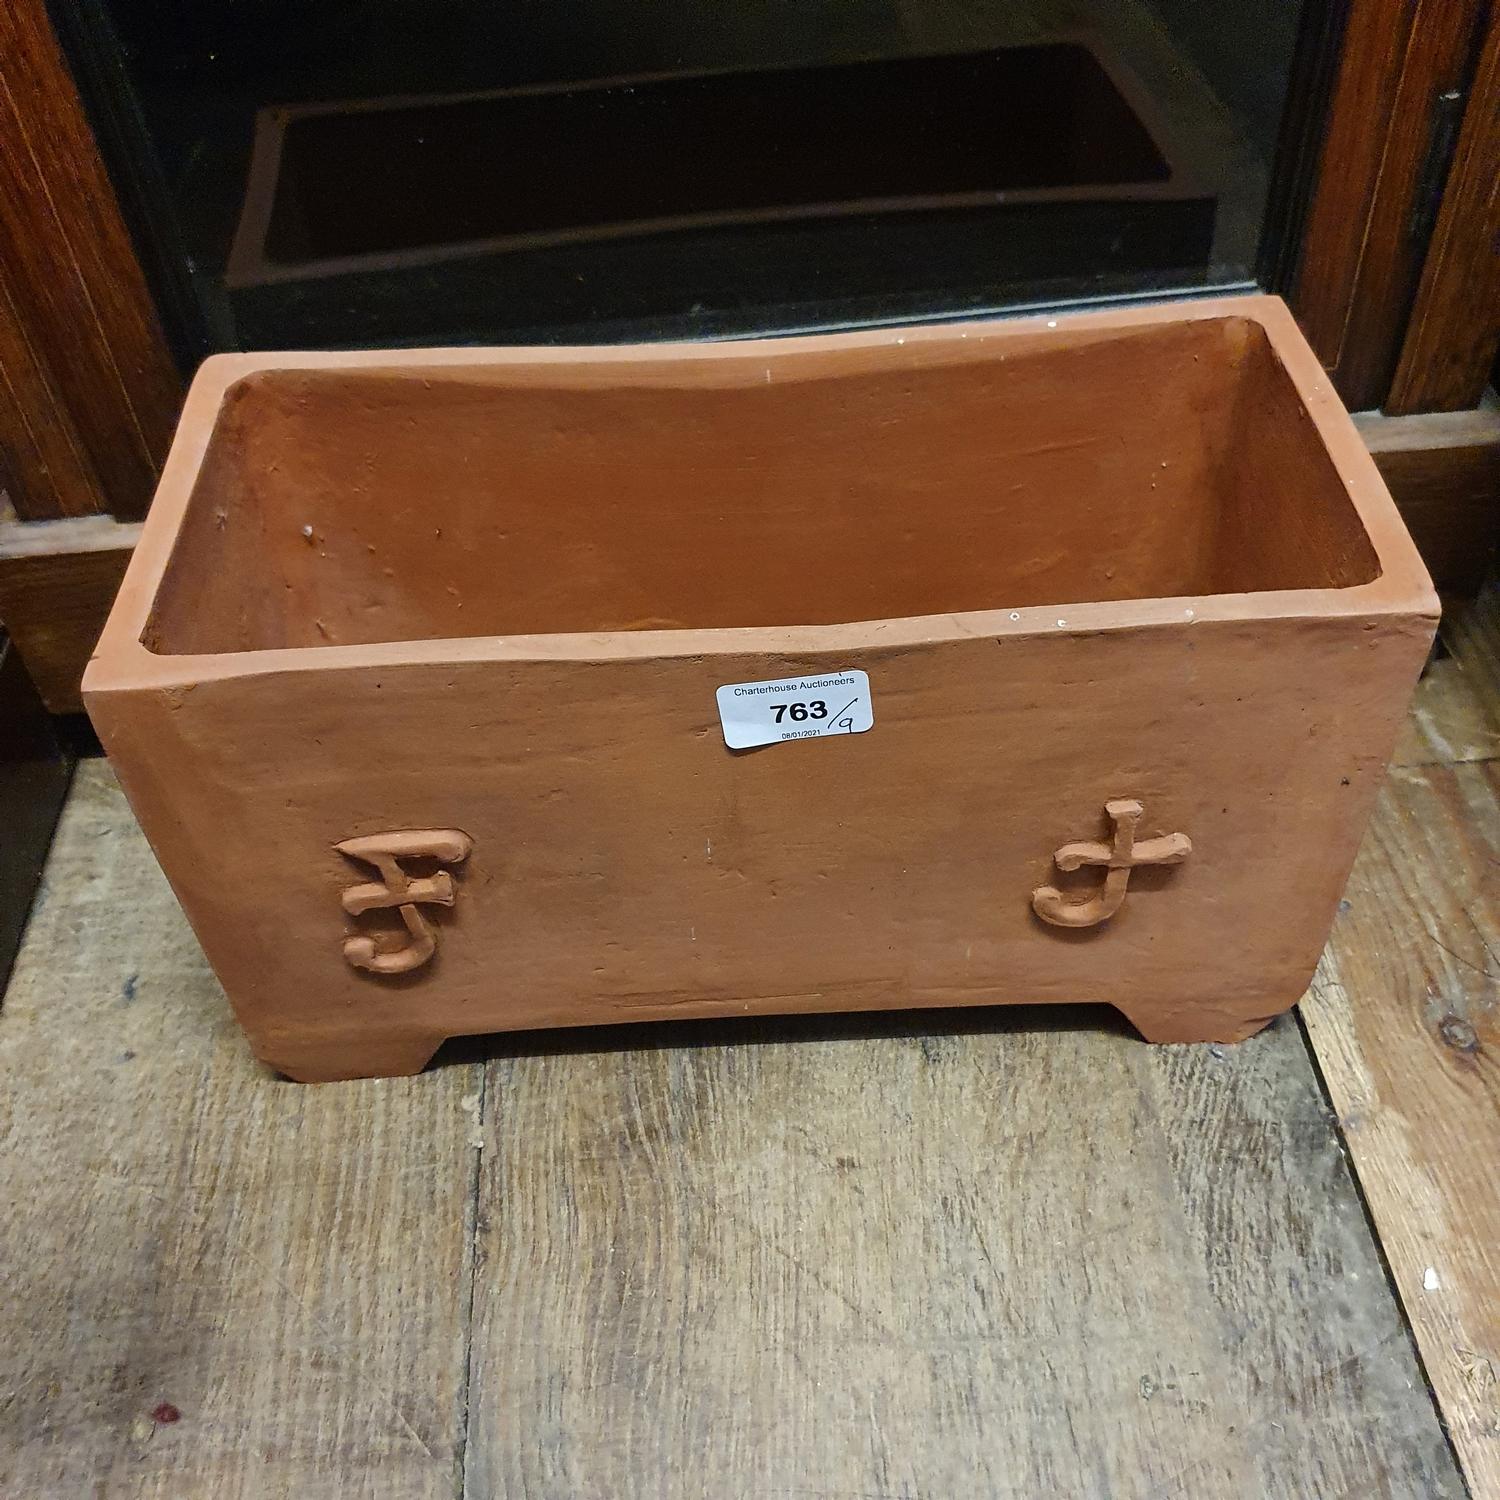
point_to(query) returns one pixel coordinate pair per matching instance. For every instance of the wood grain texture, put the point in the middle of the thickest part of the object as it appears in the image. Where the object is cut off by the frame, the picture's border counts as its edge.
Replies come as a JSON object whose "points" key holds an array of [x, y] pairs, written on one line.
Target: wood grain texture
{"points": [[72, 275], [1443, 471], [1360, 261], [289, 1268], [57, 582], [1455, 326], [44, 469], [1405, 1019], [953, 1259]]}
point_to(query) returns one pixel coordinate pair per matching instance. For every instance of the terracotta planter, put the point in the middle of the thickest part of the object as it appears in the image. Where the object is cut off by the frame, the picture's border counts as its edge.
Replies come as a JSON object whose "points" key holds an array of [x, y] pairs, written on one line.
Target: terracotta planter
{"points": [[414, 678]]}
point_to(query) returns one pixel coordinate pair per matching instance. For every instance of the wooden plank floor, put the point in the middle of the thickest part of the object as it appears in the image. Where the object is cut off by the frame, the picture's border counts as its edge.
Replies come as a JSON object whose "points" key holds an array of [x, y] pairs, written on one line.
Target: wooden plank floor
{"points": [[1405, 1020], [989, 1254]]}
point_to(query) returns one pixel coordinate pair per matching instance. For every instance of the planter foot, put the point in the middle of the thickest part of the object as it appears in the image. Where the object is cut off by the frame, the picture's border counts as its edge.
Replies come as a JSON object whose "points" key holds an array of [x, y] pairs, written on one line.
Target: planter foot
{"points": [[342, 1056], [1201, 1023]]}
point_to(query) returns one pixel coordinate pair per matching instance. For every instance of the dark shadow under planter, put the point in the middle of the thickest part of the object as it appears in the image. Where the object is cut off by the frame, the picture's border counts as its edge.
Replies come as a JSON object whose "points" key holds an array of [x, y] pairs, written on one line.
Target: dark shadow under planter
{"points": [[34, 771]]}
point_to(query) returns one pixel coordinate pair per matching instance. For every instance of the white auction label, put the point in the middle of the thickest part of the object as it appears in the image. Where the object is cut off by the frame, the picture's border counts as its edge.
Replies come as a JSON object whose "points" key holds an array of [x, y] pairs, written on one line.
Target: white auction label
{"points": [[795, 708]]}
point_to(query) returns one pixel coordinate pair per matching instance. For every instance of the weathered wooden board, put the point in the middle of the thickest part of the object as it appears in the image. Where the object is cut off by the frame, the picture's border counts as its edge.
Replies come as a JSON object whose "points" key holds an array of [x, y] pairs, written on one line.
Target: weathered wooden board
{"points": [[1015, 1260], [287, 1267], [1405, 1020]]}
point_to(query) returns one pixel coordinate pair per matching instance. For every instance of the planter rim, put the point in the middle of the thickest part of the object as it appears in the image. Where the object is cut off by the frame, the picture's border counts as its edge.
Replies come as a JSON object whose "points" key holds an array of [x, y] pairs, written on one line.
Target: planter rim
{"points": [[1402, 587]]}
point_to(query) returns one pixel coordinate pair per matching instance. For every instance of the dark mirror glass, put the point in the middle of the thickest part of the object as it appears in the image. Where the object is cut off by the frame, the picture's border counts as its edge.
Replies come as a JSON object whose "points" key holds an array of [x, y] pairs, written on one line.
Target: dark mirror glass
{"points": [[346, 172]]}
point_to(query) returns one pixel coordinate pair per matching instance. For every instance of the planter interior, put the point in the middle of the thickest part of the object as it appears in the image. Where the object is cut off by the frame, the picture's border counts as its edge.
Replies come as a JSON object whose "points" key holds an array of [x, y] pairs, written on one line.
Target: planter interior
{"points": [[365, 505]]}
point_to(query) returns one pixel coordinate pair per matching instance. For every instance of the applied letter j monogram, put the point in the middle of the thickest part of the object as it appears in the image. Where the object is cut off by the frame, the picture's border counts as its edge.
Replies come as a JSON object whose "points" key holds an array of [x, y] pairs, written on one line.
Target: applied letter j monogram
{"points": [[1117, 858], [385, 851]]}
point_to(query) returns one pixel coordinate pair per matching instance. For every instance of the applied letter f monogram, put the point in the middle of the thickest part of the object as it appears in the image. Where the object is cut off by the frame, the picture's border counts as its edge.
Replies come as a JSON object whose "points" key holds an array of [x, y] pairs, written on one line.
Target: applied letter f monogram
{"points": [[385, 851]]}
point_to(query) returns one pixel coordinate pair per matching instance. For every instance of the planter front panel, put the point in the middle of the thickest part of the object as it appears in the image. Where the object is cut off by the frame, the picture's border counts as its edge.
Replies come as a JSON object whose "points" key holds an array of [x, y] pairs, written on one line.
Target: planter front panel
{"points": [[626, 866]]}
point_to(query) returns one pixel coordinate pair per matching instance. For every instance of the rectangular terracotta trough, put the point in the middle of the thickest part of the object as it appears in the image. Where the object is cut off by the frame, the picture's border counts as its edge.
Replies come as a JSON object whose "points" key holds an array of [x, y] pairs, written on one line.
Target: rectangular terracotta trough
{"points": [[415, 680]]}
